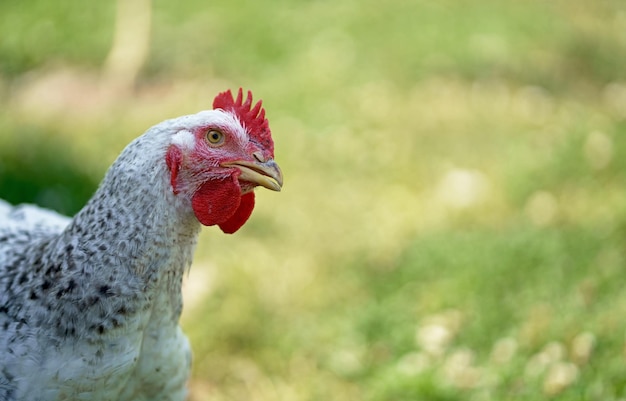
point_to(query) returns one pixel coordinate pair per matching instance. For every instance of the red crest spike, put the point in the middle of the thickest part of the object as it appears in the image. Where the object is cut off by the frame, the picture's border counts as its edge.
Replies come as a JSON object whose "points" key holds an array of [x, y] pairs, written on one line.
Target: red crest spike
{"points": [[252, 118]]}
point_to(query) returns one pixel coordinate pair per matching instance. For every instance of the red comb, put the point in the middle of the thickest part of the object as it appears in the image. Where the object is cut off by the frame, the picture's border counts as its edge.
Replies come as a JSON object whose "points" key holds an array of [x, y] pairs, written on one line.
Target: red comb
{"points": [[253, 118]]}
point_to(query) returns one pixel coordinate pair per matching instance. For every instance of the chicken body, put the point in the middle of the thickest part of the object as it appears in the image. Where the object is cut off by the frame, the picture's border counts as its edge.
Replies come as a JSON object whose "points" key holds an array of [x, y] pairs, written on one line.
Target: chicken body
{"points": [[89, 307]]}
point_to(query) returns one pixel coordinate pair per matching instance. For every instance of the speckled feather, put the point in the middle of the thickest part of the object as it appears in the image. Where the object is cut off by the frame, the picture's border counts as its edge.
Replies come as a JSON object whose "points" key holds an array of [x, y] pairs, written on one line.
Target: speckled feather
{"points": [[89, 307]]}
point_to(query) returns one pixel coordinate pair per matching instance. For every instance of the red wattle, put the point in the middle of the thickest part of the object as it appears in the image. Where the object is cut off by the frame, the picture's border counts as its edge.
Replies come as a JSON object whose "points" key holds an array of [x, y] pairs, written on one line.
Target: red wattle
{"points": [[220, 202], [240, 216], [216, 201]]}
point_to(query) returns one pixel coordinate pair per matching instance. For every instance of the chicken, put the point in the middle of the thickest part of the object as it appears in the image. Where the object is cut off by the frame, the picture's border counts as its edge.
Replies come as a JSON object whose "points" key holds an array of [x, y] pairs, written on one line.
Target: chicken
{"points": [[89, 306]]}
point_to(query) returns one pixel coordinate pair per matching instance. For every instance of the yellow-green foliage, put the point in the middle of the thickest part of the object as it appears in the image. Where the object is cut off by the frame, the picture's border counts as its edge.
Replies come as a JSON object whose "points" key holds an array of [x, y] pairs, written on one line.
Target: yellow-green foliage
{"points": [[453, 217]]}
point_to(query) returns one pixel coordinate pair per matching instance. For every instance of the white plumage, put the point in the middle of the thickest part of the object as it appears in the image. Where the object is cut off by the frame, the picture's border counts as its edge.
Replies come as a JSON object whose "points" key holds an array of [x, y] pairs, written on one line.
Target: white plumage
{"points": [[30, 216], [89, 306]]}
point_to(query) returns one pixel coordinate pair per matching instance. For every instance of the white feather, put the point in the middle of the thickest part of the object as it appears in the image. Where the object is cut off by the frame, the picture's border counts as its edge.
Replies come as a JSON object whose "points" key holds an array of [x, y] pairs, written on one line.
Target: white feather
{"points": [[184, 139], [27, 216]]}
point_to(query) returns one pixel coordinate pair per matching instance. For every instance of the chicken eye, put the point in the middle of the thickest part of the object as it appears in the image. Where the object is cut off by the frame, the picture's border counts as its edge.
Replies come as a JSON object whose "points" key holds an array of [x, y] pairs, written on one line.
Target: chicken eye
{"points": [[214, 137]]}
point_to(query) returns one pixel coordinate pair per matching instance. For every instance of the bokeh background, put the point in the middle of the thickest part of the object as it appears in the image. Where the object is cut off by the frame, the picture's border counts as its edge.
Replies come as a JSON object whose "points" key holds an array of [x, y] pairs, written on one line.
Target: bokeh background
{"points": [[453, 218]]}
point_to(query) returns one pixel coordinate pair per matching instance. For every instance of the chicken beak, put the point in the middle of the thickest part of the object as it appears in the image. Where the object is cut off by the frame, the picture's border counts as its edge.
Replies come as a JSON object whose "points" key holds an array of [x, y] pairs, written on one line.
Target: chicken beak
{"points": [[266, 174]]}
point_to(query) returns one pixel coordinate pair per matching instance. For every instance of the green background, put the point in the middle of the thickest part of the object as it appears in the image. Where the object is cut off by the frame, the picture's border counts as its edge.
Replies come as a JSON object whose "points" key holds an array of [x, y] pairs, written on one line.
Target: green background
{"points": [[453, 217]]}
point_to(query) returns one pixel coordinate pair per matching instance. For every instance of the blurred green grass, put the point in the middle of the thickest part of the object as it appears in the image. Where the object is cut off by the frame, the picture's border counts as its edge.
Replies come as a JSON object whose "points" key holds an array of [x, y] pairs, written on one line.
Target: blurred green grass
{"points": [[452, 224]]}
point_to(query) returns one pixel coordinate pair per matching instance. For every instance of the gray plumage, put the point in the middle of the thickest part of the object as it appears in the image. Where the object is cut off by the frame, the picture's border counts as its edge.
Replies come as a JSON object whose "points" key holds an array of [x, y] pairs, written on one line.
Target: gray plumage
{"points": [[89, 306]]}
